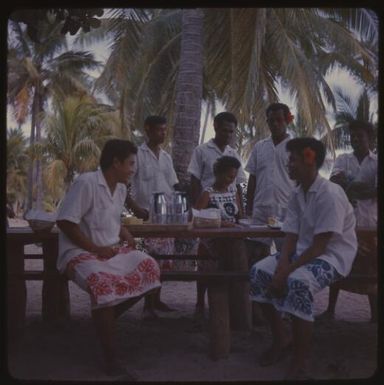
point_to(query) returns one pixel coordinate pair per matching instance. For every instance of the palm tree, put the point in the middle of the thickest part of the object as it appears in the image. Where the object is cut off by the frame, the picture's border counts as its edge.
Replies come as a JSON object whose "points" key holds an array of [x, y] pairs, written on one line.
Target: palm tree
{"points": [[17, 164], [247, 51], [189, 92], [76, 132], [348, 109], [35, 69]]}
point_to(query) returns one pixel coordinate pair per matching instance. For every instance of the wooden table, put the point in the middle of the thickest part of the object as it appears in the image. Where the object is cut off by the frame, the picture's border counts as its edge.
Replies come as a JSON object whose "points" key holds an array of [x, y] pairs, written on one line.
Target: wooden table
{"points": [[55, 294]]}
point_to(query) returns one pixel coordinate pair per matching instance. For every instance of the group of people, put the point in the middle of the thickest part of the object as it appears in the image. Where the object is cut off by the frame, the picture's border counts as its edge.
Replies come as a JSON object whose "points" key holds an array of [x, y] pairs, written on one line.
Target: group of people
{"points": [[319, 247]]}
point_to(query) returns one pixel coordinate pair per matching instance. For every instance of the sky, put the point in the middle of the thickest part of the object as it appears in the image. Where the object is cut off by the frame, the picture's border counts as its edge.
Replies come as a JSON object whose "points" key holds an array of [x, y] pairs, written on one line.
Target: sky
{"points": [[336, 78]]}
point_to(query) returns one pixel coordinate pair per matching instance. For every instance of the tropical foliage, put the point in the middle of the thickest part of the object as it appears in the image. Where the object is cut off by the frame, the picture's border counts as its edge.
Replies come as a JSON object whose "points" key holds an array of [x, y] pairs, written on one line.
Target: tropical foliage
{"points": [[246, 55]]}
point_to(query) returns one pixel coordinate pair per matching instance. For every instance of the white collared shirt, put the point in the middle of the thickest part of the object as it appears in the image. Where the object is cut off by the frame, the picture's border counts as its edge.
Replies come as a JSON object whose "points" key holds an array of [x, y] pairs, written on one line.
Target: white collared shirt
{"points": [[152, 175], [325, 208], [90, 204], [203, 159], [268, 163], [366, 209]]}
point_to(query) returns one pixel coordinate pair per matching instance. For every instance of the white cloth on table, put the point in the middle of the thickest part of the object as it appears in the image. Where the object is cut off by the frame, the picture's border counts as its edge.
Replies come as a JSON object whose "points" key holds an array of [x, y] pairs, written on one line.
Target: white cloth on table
{"points": [[366, 209], [203, 159], [324, 208], [90, 204], [152, 175]]}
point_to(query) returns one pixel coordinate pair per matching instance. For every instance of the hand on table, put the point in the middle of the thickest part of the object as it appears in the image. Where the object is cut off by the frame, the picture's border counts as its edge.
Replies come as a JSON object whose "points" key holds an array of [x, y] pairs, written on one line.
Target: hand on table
{"points": [[141, 213]]}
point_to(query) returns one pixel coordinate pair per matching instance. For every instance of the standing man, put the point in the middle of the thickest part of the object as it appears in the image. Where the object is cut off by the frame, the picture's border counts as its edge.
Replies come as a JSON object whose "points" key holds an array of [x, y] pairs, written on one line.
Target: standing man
{"points": [[319, 248], [202, 175], [356, 173], [269, 185], [154, 173]]}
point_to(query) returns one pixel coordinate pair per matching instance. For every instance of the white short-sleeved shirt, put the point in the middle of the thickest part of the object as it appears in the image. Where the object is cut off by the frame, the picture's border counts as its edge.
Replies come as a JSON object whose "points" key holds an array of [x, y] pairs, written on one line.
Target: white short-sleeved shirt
{"points": [[152, 175], [324, 209], [90, 204], [203, 159], [268, 163], [366, 209]]}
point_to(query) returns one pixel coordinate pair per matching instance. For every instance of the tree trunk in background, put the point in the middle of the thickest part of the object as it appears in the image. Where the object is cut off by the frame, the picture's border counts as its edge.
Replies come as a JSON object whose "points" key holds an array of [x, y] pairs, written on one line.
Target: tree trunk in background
{"points": [[189, 92]]}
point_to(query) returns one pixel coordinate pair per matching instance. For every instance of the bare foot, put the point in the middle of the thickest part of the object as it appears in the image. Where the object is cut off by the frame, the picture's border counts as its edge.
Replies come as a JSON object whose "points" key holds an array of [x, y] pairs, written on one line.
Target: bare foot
{"points": [[149, 314], [161, 306], [297, 371], [275, 353], [325, 316]]}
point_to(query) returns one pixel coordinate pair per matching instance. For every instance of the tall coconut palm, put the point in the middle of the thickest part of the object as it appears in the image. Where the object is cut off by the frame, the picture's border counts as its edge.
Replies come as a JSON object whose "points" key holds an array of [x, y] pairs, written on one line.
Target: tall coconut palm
{"points": [[189, 92], [76, 132], [35, 69]]}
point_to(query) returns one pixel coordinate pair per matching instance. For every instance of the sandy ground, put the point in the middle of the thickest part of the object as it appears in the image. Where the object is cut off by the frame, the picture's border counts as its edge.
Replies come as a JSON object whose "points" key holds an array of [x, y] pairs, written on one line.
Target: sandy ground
{"points": [[169, 350]]}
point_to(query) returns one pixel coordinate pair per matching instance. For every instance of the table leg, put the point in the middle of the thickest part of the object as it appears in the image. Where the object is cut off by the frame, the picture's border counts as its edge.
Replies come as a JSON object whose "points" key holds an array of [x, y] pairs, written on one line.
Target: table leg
{"points": [[219, 330], [16, 289], [239, 302], [55, 286]]}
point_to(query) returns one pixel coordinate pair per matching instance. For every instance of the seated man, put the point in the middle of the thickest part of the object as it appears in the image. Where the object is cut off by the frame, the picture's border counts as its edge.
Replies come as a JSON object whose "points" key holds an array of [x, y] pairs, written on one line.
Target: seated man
{"points": [[318, 249], [114, 274]]}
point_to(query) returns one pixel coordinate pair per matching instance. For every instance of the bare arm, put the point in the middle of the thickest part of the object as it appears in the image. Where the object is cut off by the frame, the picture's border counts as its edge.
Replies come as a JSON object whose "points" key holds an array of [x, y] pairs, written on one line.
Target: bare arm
{"points": [[251, 187], [284, 267], [239, 205], [73, 232], [239, 198], [138, 211], [125, 235], [202, 201], [196, 189]]}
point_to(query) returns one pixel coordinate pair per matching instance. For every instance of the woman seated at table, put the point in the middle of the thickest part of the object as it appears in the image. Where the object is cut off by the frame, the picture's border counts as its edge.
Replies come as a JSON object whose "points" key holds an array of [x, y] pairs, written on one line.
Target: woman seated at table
{"points": [[318, 249], [97, 253], [221, 196]]}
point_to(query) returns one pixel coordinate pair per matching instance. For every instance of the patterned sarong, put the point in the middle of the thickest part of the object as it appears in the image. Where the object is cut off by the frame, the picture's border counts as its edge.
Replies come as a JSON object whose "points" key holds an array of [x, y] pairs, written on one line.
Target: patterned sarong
{"points": [[110, 281], [303, 284]]}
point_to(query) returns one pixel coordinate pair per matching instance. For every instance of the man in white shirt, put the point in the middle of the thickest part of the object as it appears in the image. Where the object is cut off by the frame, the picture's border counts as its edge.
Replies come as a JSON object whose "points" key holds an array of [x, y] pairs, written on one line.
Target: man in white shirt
{"points": [[154, 173], [269, 185], [201, 169], [319, 248], [205, 155], [356, 173], [115, 275]]}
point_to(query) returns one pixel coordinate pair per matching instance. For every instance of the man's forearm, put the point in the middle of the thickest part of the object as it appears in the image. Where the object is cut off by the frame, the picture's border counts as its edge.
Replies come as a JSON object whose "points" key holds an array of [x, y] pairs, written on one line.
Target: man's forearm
{"points": [[74, 233]]}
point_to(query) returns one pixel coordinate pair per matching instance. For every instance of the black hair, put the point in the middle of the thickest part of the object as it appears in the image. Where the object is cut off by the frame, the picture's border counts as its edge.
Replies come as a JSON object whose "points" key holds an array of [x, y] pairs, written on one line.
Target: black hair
{"points": [[362, 125], [225, 163], [224, 117], [116, 148], [277, 107], [297, 145], [154, 120]]}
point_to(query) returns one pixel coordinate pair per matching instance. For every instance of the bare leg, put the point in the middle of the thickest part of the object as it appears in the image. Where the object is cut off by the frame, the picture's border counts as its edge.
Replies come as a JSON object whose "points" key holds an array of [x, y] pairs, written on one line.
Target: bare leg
{"points": [[200, 304], [302, 335], [332, 299], [160, 305], [280, 338], [373, 305], [104, 320], [149, 305]]}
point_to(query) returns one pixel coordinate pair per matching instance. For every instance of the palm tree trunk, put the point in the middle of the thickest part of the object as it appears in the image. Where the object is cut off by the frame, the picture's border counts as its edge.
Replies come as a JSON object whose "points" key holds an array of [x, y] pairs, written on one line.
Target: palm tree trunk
{"points": [[189, 92], [205, 122]]}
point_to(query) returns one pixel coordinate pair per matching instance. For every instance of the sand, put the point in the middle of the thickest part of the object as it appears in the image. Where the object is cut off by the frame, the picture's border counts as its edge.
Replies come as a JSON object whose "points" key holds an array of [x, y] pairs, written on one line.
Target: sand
{"points": [[169, 349]]}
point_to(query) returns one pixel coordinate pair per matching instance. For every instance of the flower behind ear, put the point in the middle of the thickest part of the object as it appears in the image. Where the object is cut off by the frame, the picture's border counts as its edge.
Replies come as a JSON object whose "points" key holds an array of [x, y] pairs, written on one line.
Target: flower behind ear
{"points": [[309, 156], [289, 118]]}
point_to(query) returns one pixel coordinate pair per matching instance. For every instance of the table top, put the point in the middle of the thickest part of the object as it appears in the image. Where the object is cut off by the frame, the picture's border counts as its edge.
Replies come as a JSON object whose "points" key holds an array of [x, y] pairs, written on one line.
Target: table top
{"points": [[158, 231], [26, 234]]}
